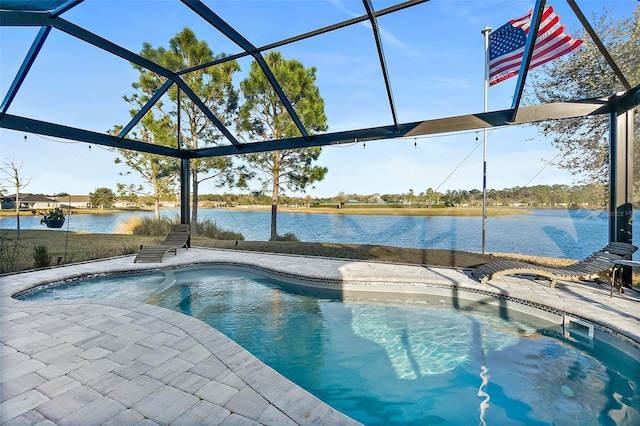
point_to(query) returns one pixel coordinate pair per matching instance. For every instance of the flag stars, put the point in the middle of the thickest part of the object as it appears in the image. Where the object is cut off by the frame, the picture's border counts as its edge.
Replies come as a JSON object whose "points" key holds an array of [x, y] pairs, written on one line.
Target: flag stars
{"points": [[506, 45], [505, 39]]}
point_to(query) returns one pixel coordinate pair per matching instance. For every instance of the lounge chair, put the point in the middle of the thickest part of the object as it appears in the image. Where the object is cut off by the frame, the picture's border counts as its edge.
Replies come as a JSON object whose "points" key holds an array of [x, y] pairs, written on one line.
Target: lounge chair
{"points": [[179, 237], [599, 264]]}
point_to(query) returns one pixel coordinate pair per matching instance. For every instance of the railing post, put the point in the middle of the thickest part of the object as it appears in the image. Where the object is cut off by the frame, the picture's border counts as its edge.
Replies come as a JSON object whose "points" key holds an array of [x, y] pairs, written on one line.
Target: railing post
{"points": [[185, 191], [621, 180]]}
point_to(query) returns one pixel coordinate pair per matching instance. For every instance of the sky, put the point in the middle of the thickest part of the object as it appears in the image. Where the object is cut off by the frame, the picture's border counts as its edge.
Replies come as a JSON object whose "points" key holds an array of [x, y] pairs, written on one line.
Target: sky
{"points": [[434, 54]]}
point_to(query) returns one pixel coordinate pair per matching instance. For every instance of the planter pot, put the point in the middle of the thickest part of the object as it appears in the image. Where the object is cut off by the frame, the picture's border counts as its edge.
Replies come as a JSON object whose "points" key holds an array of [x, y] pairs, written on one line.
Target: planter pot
{"points": [[54, 223]]}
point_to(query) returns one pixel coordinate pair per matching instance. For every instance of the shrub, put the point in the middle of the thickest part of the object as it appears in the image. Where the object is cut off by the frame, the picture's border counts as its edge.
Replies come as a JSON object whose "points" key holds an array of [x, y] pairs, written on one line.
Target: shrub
{"points": [[287, 237], [41, 257], [211, 230], [149, 226], [11, 255]]}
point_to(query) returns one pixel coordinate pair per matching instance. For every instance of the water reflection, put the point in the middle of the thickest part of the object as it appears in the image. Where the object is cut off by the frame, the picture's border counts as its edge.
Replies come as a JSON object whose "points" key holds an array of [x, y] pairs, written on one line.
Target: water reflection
{"points": [[422, 342]]}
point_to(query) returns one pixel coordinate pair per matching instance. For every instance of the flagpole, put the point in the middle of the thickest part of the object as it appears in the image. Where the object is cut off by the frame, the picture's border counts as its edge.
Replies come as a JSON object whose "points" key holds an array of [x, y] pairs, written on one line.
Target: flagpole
{"points": [[485, 31]]}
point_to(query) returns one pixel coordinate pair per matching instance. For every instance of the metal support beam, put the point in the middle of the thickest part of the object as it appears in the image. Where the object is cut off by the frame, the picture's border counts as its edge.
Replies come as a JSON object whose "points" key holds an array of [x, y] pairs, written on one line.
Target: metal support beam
{"points": [[630, 99], [383, 63], [185, 191], [534, 26], [145, 109], [24, 69], [559, 110], [65, 7], [621, 180], [206, 111], [596, 40], [28, 125], [32, 19], [221, 25], [323, 30]]}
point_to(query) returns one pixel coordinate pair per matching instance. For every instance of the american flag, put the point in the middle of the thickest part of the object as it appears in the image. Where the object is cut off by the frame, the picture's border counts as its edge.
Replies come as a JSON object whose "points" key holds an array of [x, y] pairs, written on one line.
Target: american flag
{"points": [[506, 45]]}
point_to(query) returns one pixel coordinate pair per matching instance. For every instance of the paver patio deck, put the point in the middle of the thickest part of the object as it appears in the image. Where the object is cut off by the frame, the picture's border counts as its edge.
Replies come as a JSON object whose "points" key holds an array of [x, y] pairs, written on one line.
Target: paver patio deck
{"points": [[127, 363]]}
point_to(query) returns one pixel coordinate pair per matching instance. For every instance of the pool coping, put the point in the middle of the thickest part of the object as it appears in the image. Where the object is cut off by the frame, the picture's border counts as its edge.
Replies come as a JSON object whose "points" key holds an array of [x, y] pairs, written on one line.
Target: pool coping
{"points": [[254, 397]]}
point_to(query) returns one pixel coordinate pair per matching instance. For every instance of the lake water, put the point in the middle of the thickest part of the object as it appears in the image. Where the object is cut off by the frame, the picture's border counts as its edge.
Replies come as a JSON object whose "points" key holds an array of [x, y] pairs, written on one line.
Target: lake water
{"points": [[572, 234]]}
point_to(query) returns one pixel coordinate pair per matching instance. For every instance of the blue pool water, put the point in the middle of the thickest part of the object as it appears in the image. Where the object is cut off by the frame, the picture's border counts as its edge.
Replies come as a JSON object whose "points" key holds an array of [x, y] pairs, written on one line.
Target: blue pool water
{"points": [[396, 362]]}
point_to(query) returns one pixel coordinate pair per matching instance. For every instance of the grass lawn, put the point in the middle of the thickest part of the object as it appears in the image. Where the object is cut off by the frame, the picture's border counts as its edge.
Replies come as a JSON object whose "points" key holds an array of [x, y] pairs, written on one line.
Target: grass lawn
{"points": [[17, 253]]}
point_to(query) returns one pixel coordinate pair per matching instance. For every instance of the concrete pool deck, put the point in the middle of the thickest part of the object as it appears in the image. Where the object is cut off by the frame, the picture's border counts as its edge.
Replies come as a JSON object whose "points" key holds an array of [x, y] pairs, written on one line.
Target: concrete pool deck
{"points": [[127, 363]]}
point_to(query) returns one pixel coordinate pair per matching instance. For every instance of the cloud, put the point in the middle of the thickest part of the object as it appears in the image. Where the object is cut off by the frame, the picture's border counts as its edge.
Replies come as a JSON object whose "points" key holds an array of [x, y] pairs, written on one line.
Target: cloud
{"points": [[388, 38]]}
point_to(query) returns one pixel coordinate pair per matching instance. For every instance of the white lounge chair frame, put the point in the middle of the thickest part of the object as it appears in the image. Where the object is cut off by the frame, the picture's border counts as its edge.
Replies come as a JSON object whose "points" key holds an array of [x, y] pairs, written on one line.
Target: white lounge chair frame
{"points": [[179, 237], [600, 264]]}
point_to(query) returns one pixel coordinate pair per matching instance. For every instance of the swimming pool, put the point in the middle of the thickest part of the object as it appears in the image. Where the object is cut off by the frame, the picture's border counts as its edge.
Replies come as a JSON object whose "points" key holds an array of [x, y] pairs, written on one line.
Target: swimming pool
{"points": [[390, 361]]}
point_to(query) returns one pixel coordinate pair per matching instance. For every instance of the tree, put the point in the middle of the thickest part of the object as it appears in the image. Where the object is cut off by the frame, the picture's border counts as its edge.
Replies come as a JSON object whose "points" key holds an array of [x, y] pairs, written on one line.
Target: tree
{"points": [[430, 194], [158, 172], [213, 85], [409, 197], [12, 173], [102, 197], [583, 142], [263, 116]]}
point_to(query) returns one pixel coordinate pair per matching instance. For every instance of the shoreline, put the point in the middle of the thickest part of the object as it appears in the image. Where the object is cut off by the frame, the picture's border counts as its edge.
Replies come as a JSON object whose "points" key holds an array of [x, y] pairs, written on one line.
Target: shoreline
{"points": [[389, 211], [360, 210]]}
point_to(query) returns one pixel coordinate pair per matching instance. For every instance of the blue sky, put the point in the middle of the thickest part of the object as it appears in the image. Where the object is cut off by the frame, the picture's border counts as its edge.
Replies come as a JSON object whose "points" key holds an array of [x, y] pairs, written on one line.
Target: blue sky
{"points": [[434, 54]]}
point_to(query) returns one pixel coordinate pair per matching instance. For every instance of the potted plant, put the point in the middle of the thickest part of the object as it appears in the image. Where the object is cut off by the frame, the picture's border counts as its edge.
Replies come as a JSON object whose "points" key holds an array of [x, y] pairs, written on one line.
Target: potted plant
{"points": [[54, 218]]}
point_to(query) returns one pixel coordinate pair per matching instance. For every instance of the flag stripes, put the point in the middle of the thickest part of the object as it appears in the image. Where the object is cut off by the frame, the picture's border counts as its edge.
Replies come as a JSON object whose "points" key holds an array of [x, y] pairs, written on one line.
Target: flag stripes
{"points": [[506, 45]]}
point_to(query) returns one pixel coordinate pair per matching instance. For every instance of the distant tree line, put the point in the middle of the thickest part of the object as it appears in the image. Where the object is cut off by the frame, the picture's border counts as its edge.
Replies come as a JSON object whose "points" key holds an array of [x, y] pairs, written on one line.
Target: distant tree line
{"points": [[592, 195]]}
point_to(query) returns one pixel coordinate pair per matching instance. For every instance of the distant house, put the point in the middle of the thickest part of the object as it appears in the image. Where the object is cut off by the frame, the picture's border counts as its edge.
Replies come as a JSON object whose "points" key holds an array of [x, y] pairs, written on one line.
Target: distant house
{"points": [[123, 204], [40, 202], [76, 201], [28, 201]]}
